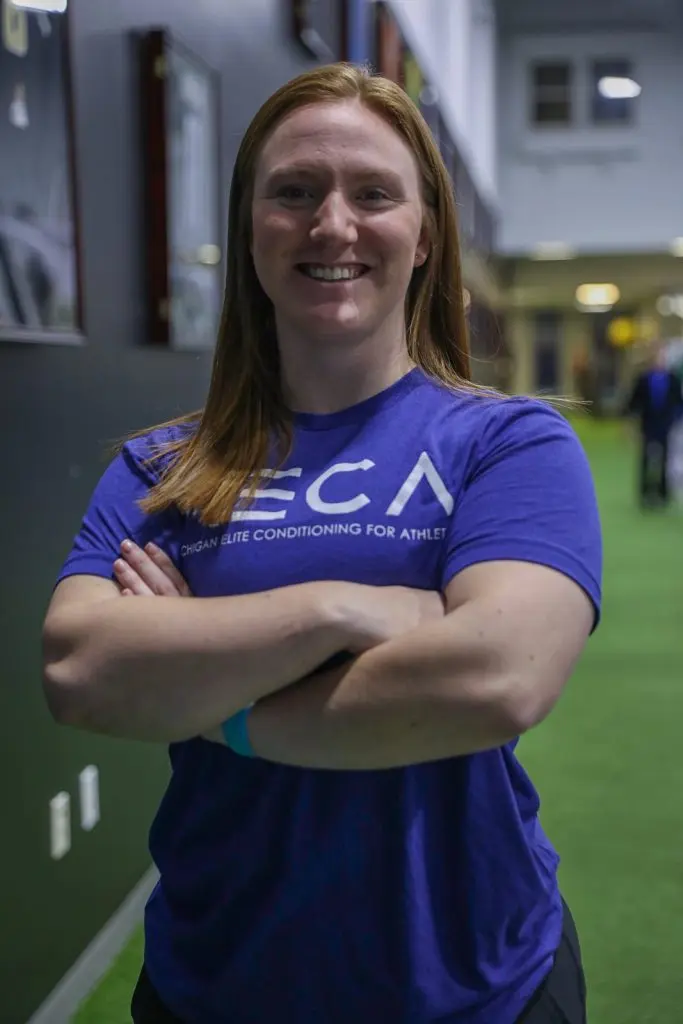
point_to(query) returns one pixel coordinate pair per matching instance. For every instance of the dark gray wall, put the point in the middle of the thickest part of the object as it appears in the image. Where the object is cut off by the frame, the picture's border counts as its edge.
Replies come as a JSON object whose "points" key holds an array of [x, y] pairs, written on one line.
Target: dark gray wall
{"points": [[59, 409]]}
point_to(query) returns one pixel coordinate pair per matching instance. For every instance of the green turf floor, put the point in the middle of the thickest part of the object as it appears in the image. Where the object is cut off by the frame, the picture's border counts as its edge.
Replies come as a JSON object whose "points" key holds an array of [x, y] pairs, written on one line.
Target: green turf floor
{"points": [[609, 766]]}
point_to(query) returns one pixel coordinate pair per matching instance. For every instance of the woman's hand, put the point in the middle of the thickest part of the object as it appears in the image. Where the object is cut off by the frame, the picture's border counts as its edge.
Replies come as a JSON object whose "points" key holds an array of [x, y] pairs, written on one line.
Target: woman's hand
{"points": [[377, 615], [148, 572]]}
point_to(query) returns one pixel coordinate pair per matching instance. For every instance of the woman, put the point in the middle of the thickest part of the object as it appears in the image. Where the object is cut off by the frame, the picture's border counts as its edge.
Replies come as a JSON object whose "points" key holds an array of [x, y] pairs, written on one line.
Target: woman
{"points": [[393, 576]]}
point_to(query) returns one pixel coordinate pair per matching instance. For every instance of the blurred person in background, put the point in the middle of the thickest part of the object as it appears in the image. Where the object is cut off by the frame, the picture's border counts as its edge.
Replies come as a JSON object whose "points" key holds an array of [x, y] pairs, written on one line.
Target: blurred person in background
{"points": [[655, 403], [341, 592]]}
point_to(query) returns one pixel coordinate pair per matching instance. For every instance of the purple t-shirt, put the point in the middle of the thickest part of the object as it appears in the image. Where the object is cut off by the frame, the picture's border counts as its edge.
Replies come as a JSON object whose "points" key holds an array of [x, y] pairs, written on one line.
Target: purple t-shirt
{"points": [[405, 896]]}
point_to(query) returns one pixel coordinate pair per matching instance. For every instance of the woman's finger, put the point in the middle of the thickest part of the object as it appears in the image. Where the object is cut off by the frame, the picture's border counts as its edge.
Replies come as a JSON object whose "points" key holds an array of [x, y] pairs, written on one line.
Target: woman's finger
{"points": [[130, 581], [154, 579], [152, 575], [161, 559]]}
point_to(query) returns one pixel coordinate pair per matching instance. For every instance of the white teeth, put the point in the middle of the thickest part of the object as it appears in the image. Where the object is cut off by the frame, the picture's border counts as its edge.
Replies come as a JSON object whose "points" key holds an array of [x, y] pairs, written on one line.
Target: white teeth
{"points": [[332, 273]]}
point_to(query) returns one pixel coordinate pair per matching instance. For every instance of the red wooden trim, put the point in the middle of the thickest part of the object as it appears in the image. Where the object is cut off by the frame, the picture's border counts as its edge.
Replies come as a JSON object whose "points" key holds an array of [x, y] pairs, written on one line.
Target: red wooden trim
{"points": [[154, 146]]}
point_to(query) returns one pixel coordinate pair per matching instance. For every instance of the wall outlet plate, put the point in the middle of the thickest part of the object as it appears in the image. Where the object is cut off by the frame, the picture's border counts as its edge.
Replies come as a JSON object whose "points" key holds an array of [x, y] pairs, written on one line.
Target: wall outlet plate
{"points": [[89, 788], [60, 825]]}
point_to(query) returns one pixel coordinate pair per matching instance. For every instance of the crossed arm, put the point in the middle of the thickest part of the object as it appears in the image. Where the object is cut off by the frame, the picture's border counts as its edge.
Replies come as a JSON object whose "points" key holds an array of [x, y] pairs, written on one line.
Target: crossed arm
{"points": [[490, 670], [435, 686]]}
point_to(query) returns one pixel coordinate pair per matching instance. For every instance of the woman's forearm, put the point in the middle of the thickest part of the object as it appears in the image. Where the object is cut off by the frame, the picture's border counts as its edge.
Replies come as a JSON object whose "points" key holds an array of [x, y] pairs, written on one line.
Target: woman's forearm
{"points": [[355, 718], [489, 671], [445, 690], [167, 669]]}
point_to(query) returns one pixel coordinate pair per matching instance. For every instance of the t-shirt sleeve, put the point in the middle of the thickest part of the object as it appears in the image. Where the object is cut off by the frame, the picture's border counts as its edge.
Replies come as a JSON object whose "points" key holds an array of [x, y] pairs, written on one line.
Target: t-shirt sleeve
{"points": [[528, 496], [113, 514]]}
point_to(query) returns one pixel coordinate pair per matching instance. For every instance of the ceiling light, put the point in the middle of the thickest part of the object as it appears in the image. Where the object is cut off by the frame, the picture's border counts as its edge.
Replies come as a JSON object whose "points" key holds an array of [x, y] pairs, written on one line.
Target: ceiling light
{"points": [[670, 305], [209, 255], [43, 6], [677, 247], [613, 88], [598, 298], [553, 251]]}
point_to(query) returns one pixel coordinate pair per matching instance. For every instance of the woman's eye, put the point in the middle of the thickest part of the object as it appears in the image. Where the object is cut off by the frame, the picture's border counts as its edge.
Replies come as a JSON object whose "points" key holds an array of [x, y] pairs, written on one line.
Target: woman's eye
{"points": [[294, 193], [374, 195]]}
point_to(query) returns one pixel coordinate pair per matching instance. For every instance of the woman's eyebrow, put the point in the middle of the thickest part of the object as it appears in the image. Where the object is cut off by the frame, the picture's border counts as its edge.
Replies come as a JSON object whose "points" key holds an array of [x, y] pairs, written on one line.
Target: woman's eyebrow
{"points": [[311, 169]]}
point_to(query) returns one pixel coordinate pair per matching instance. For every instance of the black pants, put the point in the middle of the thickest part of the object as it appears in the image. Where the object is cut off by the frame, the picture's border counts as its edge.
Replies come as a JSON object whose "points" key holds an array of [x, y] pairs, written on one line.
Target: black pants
{"points": [[653, 481], [561, 999]]}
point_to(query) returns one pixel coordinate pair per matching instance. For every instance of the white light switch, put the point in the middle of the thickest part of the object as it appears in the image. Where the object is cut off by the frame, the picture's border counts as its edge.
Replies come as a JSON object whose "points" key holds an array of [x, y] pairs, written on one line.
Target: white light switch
{"points": [[89, 785], [60, 825]]}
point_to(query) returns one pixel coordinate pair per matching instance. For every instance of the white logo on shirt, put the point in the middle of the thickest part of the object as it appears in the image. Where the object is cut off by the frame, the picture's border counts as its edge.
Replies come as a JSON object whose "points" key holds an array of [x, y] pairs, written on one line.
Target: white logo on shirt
{"points": [[424, 469]]}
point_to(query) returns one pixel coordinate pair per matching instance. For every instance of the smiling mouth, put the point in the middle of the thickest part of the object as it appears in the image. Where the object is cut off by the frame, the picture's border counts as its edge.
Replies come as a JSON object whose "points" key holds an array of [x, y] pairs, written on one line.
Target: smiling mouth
{"points": [[319, 272]]}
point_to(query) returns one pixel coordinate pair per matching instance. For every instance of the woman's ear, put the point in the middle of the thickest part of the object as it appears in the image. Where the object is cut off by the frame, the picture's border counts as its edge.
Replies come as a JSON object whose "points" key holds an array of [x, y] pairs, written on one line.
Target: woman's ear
{"points": [[424, 247]]}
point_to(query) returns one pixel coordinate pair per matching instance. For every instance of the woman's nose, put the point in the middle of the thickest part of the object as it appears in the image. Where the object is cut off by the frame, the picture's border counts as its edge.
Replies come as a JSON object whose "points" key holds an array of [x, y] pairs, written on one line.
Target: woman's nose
{"points": [[334, 220]]}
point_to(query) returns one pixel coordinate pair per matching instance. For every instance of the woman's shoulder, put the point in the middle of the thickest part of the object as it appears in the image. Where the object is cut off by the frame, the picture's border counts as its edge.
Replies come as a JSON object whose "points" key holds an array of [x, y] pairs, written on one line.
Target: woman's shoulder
{"points": [[151, 451], [485, 415], [474, 431]]}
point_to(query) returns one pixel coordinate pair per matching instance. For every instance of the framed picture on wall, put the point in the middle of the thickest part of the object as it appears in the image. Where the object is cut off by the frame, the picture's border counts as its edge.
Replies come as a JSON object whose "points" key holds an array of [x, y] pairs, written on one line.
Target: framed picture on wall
{"points": [[40, 297], [181, 149]]}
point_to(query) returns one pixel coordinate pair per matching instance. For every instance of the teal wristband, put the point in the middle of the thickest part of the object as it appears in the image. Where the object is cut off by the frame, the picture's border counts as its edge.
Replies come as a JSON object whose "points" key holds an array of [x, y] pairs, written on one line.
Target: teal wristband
{"points": [[236, 734]]}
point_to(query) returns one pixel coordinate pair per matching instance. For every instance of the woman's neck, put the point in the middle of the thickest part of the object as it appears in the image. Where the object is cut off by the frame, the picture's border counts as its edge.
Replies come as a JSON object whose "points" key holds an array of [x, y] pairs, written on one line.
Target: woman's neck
{"points": [[324, 377]]}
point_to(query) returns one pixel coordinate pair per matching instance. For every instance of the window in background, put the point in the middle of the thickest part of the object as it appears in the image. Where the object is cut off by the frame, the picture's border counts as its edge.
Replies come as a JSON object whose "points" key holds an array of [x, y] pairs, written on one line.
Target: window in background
{"points": [[547, 341], [613, 92], [551, 93]]}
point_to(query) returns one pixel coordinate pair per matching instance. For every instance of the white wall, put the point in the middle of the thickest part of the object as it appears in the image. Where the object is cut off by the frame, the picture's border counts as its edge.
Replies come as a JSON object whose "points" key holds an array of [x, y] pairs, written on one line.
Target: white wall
{"points": [[481, 96], [598, 189], [455, 42]]}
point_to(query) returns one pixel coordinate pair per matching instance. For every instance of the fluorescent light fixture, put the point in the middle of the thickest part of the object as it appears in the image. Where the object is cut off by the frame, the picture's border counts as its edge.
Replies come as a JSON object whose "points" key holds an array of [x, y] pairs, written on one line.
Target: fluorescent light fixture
{"points": [[670, 305], [42, 6], [553, 251], [619, 88], [677, 247], [598, 298]]}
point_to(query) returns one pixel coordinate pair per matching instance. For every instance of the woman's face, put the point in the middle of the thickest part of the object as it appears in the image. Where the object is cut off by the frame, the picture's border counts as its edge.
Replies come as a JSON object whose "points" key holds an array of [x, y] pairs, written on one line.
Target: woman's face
{"points": [[337, 221]]}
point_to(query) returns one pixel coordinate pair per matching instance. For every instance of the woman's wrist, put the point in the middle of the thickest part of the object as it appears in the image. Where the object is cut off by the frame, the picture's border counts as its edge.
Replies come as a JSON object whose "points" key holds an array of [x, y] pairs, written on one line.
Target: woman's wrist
{"points": [[339, 610]]}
